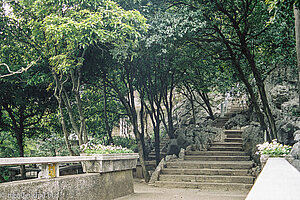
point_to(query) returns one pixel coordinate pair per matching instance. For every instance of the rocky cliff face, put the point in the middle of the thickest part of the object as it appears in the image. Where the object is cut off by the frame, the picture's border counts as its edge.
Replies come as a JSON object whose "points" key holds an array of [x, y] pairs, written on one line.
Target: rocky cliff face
{"points": [[283, 97]]}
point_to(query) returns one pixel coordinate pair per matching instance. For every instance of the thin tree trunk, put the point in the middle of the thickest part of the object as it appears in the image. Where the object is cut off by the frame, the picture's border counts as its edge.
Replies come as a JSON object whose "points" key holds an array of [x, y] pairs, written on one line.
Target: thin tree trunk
{"points": [[192, 103], [205, 99], [262, 92], [168, 102], [82, 133], [142, 112], [297, 34], [107, 129], [253, 99], [131, 111], [157, 143], [19, 136], [68, 106], [58, 95]]}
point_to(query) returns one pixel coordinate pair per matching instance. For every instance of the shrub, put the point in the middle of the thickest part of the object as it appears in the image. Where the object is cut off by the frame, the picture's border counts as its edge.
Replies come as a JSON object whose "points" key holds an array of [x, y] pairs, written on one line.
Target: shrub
{"points": [[273, 149], [92, 148]]}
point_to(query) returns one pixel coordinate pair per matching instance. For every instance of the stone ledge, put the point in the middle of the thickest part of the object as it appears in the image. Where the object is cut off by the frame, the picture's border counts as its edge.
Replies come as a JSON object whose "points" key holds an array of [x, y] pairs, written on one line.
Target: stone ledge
{"points": [[93, 186], [110, 162], [278, 180]]}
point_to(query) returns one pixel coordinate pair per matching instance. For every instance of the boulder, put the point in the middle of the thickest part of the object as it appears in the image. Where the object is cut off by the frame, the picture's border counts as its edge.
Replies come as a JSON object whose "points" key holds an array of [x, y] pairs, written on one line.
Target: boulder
{"points": [[279, 94], [296, 164], [297, 132], [252, 135], [238, 120], [290, 105], [297, 137], [173, 147], [295, 152], [285, 133]]}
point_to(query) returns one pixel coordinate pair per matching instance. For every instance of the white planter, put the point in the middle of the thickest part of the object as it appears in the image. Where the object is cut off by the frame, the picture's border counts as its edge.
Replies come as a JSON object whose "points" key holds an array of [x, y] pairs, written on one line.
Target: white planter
{"points": [[110, 162]]}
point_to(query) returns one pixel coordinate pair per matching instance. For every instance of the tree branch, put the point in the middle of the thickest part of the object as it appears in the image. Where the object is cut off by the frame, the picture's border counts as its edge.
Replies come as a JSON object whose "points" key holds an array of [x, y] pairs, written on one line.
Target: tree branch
{"points": [[10, 72]]}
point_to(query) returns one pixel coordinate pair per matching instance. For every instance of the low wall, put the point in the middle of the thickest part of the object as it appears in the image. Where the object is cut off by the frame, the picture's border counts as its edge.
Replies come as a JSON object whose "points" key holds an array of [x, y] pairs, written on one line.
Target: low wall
{"points": [[90, 186]]}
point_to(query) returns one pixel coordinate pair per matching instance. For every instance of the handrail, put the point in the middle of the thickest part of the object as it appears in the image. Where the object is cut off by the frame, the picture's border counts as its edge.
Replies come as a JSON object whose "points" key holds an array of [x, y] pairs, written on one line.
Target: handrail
{"points": [[50, 165], [60, 159], [43, 160], [278, 180]]}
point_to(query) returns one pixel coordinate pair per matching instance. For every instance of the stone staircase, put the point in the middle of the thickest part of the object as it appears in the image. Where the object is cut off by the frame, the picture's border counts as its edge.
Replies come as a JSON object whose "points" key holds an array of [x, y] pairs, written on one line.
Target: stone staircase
{"points": [[162, 147], [150, 162], [224, 166], [220, 122]]}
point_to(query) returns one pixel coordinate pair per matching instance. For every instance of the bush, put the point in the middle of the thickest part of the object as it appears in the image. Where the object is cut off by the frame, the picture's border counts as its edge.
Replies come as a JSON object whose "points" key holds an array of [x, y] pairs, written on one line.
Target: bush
{"points": [[129, 143], [273, 149]]}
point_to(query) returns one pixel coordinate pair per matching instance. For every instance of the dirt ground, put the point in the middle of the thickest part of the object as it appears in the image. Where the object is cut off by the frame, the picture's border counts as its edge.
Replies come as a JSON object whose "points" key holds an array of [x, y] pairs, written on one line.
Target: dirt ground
{"points": [[143, 191]]}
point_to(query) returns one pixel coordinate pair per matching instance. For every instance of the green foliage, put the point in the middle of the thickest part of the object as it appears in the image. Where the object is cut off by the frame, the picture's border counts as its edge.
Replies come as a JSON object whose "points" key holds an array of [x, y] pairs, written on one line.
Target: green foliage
{"points": [[129, 143], [295, 112], [273, 149], [93, 100], [92, 147], [8, 146], [53, 145]]}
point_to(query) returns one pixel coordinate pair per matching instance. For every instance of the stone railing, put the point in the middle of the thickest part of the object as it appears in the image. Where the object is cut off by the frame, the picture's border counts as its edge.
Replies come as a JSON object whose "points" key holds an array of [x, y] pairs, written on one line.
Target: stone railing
{"points": [[278, 180], [108, 176]]}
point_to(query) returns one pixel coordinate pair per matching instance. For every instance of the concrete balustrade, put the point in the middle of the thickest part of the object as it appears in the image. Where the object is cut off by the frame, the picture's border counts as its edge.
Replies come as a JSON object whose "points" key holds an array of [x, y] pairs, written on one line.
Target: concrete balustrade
{"points": [[108, 176], [278, 180]]}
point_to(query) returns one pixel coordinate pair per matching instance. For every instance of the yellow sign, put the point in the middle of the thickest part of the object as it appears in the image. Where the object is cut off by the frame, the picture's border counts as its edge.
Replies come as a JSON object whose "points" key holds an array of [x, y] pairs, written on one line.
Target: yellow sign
{"points": [[51, 168]]}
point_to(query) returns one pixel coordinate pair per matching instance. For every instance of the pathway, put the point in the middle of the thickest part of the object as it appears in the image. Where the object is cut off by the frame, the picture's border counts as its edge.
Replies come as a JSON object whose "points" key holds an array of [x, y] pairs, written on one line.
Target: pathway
{"points": [[144, 191]]}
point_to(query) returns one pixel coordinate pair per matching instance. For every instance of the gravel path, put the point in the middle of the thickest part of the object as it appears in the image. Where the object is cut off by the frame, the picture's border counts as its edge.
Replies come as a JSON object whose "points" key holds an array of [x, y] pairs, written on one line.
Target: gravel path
{"points": [[144, 191]]}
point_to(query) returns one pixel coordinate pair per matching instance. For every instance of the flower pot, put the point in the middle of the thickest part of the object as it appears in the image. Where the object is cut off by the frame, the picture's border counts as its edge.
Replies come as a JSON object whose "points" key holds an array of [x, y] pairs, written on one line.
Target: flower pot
{"points": [[110, 162]]}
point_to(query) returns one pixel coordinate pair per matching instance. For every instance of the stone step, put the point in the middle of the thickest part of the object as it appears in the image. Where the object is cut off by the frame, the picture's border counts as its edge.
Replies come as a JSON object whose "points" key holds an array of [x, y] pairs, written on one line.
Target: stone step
{"points": [[227, 144], [224, 148], [150, 162], [217, 153], [222, 119], [205, 178], [238, 140], [233, 131], [211, 164], [233, 135], [152, 153], [224, 172], [205, 186], [219, 125], [218, 158]]}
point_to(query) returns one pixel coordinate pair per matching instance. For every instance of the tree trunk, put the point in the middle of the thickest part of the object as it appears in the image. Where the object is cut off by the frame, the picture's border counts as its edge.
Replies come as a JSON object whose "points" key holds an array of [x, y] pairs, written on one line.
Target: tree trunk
{"points": [[261, 88], [68, 106], [253, 98], [131, 111], [19, 136], [297, 34], [142, 112], [169, 108], [58, 95], [81, 133], [64, 127], [157, 137], [133, 118], [205, 99], [107, 129]]}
